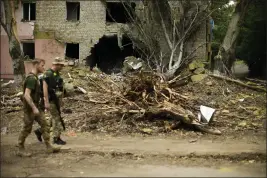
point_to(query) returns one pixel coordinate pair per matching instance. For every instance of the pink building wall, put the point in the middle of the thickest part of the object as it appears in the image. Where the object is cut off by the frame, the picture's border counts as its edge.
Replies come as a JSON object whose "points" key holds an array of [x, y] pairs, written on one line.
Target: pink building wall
{"points": [[25, 32], [48, 49]]}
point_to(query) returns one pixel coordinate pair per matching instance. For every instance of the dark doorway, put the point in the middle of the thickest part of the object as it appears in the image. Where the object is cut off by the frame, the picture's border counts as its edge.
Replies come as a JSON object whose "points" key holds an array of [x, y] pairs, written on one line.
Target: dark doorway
{"points": [[72, 50], [116, 12], [28, 49], [108, 56]]}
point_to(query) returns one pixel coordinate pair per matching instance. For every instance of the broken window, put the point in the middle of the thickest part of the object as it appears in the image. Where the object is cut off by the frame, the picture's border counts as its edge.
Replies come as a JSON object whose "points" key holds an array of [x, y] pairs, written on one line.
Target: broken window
{"points": [[72, 50], [29, 11], [28, 49], [117, 12], [73, 11]]}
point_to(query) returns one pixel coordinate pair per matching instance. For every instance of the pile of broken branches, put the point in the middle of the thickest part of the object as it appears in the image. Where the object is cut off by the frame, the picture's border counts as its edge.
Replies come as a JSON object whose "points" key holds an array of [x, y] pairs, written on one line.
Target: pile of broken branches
{"points": [[140, 96]]}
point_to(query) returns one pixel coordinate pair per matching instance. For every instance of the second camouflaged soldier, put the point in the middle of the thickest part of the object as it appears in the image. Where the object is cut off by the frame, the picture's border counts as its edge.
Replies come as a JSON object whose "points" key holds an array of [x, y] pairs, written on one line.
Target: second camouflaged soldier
{"points": [[31, 99], [52, 92]]}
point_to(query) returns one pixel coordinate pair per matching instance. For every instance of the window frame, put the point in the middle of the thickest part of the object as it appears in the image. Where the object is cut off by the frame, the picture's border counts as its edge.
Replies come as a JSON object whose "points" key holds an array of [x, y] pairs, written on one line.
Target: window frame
{"points": [[29, 12], [78, 19], [28, 41]]}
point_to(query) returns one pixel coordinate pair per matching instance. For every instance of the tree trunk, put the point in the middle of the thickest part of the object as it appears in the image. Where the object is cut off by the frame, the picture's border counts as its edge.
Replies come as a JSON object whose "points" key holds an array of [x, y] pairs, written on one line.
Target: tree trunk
{"points": [[166, 32], [8, 22], [225, 58]]}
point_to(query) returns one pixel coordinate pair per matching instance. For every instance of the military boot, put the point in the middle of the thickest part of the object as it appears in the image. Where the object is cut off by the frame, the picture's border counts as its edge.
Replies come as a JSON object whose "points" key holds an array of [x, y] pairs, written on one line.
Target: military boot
{"points": [[52, 149], [58, 141], [38, 134], [21, 152]]}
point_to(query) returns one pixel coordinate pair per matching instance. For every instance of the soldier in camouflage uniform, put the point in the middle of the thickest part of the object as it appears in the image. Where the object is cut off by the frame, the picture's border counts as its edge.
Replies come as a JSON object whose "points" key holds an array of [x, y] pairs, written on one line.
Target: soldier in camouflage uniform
{"points": [[31, 107], [51, 86]]}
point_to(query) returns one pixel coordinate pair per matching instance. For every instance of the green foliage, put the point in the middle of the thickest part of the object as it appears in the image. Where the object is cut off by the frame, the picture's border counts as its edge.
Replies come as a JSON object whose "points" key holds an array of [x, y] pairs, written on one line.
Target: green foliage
{"points": [[251, 44], [221, 19]]}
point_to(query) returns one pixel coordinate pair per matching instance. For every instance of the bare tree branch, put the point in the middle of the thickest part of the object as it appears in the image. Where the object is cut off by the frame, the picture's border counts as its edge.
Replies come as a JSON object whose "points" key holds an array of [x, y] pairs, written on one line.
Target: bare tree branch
{"points": [[189, 28], [164, 29]]}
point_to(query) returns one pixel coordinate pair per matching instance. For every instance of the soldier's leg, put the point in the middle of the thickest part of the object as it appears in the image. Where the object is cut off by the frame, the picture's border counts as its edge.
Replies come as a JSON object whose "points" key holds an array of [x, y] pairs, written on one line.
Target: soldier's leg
{"points": [[38, 132], [26, 130], [45, 129], [56, 125]]}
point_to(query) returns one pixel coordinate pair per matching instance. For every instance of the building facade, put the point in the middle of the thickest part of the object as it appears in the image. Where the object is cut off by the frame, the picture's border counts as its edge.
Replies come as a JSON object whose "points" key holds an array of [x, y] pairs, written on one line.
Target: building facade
{"points": [[67, 29]]}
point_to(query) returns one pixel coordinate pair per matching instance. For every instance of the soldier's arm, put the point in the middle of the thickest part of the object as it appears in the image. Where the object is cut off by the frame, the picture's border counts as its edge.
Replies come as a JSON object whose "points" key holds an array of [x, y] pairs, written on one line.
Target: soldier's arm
{"points": [[46, 79], [28, 98], [45, 89]]}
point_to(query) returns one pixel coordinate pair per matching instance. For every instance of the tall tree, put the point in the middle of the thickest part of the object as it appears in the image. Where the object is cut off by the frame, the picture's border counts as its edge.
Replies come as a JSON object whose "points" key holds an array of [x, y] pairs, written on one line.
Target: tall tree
{"points": [[9, 24], [224, 60], [221, 15]]}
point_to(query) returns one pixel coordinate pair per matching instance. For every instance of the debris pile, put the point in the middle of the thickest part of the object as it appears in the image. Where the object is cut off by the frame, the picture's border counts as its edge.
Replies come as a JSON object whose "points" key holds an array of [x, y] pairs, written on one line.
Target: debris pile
{"points": [[133, 97], [10, 97], [141, 101]]}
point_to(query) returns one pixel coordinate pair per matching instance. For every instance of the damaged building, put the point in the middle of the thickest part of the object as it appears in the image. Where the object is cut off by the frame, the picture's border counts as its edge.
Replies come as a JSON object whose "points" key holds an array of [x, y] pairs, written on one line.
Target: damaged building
{"points": [[88, 32]]}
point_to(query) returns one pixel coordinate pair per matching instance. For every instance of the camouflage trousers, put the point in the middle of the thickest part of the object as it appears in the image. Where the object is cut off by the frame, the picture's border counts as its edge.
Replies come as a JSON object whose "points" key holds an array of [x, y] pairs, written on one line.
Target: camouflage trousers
{"points": [[28, 119], [56, 126]]}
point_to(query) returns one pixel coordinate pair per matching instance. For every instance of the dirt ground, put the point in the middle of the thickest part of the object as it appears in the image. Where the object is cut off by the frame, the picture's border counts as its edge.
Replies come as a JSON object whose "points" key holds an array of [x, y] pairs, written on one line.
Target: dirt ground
{"points": [[104, 155], [112, 146]]}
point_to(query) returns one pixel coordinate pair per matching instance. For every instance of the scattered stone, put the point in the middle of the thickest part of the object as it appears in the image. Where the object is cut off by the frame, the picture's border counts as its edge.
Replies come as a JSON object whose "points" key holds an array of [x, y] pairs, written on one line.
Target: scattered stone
{"points": [[233, 101], [3, 130], [209, 83], [69, 87], [199, 71], [196, 64], [146, 130], [192, 66], [199, 77], [192, 140], [257, 112], [241, 100], [242, 124], [132, 63], [225, 111], [82, 73], [71, 63], [255, 125], [251, 161]]}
